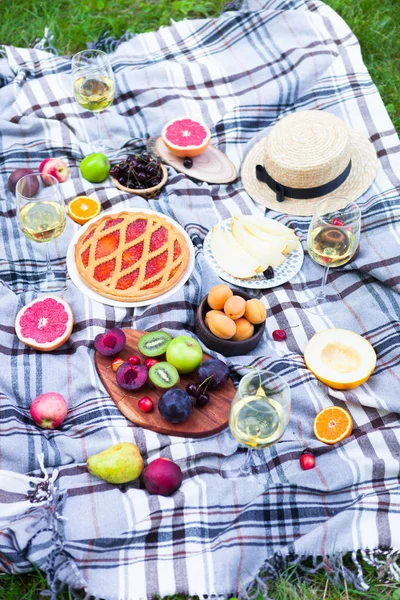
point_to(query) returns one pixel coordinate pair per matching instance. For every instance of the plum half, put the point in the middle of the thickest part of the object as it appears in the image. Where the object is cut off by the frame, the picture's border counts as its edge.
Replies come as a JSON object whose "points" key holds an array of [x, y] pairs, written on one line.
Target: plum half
{"points": [[131, 377], [110, 342]]}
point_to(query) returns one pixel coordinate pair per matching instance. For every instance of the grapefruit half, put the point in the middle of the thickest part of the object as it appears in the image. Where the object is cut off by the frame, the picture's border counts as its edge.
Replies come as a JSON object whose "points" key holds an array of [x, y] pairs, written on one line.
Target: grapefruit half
{"points": [[186, 137], [340, 358], [44, 324]]}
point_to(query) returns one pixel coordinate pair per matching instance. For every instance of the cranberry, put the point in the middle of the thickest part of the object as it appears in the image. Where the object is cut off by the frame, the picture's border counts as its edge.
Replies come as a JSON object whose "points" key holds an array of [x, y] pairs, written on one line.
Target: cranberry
{"points": [[337, 222], [133, 360], [307, 460], [193, 390], [116, 363], [279, 335], [145, 404], [149, 362]]}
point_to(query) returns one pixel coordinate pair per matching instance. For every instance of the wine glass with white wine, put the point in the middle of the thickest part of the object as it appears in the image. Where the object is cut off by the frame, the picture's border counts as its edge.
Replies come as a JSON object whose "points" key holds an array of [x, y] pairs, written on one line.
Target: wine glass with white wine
{"points": [[332, 241], [258, 417], [94, 87], [41, 216]]}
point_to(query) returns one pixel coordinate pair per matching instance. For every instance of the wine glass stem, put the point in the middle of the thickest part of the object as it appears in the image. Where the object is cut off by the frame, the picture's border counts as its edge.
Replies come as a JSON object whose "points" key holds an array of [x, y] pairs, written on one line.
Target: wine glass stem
{"points": [[246, 468], [321, 292], [98, 131], [49, 271]]}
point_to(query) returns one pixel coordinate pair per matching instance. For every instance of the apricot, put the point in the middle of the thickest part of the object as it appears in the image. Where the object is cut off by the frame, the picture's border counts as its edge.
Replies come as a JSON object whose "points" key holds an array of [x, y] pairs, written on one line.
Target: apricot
{"points": [[221, 325], [255, 311], [234, 307], [210, 312], [218, 295], [244, 330]]}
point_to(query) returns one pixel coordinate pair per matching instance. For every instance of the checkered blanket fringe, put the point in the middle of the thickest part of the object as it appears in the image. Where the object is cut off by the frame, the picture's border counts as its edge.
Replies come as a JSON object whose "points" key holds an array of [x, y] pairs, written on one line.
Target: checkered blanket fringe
{"points": [[215, 537]]}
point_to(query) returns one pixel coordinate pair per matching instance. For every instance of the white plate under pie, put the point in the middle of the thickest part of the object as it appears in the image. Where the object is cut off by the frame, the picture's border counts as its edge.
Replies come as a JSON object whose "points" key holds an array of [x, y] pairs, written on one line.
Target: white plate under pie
{"points": [[285, 272], [82, 287]]}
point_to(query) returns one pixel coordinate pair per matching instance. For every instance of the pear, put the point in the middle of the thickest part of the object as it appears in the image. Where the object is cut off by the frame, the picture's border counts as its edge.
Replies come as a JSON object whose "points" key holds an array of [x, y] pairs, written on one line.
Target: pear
{"points": [[118, 464]]}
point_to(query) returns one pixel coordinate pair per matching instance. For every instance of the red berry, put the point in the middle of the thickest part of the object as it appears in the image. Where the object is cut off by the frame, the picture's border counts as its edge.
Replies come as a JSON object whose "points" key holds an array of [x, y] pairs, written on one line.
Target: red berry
{"points": [[149, 362], [307, 460], [133, 360], [145, 404], [116, 363], [337, 222], [279, 335]]}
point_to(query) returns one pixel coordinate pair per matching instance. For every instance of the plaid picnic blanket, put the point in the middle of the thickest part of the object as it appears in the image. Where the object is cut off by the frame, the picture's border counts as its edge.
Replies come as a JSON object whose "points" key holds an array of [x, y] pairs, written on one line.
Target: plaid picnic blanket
{"points": [[239, 73]]}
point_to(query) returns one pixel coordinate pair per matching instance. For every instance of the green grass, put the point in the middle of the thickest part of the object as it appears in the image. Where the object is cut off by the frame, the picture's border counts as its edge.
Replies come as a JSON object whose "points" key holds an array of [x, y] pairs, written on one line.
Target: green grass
{"points": [[75, 22]]}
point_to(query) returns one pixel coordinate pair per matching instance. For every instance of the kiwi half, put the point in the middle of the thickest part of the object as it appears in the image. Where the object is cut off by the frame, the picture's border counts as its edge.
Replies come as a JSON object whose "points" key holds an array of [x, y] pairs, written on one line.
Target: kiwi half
{"points": [[163, 375], [154, 343]]}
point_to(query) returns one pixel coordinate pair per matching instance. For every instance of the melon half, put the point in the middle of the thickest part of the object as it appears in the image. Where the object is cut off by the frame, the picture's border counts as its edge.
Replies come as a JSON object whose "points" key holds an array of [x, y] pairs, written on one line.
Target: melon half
{"points": [[44, 324], [340, 358]]}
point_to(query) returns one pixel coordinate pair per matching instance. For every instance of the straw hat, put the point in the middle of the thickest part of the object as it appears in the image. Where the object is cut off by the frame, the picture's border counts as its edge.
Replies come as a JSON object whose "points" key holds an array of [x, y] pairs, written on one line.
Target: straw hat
{"points": [[311, 155]]}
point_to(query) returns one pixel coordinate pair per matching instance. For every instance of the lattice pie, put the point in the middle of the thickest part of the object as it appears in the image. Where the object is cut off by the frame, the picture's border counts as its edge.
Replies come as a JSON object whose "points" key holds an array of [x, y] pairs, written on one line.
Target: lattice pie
{"points": [[131, 256]]}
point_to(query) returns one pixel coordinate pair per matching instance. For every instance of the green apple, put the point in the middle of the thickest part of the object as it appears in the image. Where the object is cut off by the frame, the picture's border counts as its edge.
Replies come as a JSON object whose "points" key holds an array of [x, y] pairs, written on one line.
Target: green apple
{"points": [[184, 353]]}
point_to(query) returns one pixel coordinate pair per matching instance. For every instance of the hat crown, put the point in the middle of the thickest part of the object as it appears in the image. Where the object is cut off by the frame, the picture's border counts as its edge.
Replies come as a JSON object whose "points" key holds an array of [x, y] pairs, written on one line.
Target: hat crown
{"points": [[307, 149]]}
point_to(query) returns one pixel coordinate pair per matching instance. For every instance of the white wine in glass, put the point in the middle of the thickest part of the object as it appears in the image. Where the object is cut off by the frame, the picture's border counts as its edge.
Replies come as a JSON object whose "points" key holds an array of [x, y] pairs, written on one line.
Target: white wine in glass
{"points": [[41, 216], [258, 417], [94, 87]]}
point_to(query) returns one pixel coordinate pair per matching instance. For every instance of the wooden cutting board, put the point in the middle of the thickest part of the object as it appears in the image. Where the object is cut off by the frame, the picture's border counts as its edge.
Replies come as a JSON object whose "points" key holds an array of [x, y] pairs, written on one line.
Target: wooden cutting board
{"points": [[202, 422]]}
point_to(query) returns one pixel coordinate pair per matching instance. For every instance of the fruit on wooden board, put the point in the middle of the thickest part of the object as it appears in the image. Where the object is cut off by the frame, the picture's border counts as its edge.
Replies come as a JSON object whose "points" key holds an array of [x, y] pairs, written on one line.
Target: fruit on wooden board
{"points": [[212, 374], [154, 343], [163, 375], [175, 405], [131, 377], [55, 167], [186, 137], [231, 257], [185, 353], [31, 184], [333, 424], [340, 358], [255, 311], [218, 295], [120, 463], [244, 330], [49, 410], [45, 323], [162, 476], [110, 342], [138, 172]]}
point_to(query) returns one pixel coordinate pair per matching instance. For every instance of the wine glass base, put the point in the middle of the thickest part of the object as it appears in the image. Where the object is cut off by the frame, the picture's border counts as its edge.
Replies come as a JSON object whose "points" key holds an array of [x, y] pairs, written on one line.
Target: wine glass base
{"points": [[323, 306], [235, 466], [50, 286]]}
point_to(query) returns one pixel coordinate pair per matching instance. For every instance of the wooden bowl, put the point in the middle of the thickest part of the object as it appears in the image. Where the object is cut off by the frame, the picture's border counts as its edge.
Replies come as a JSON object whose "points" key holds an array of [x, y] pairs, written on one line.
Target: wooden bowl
{"points": [[147, 193], [225, 347]]}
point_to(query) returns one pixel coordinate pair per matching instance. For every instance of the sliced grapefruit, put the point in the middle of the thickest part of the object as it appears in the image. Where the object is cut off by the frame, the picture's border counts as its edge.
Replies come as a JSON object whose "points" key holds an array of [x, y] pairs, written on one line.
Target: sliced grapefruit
{"points": [[340, 358], [44, 324], [332, 425], [186, 137]]}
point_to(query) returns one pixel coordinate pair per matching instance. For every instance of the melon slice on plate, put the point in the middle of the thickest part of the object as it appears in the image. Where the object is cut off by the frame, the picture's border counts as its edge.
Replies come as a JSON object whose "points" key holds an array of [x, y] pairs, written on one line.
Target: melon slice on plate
{"points": [[340, 358], [44, 324], [231, 257]]}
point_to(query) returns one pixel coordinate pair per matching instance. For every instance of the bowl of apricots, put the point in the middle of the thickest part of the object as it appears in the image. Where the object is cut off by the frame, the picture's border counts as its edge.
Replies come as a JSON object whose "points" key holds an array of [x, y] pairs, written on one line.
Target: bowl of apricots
{"points": [[230, 322]]}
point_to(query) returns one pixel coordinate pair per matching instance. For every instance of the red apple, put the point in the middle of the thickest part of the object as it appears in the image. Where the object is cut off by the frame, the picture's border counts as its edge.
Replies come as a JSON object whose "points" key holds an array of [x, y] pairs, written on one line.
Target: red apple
{"points": [[55, 167], [49, 410], [162, 476]]}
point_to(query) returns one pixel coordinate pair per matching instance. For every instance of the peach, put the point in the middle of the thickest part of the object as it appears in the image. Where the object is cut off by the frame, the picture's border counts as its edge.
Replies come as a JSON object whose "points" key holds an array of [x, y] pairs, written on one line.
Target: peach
{"points": [[162, 476], [218, 295], [234, 307], [221, 325], [209, 313], [255, 311], [244, 330]]}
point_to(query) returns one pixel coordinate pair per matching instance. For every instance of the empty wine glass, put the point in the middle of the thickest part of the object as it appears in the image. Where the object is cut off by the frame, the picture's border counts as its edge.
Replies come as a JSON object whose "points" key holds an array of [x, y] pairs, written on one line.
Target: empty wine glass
{"points": [[333, 239], [94, 87], [41, 216], [258, 417]]}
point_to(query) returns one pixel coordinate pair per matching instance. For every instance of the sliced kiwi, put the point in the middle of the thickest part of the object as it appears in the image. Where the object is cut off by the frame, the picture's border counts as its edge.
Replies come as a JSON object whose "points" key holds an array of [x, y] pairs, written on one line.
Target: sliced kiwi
{"points": [[154, 343], [163, 375]]}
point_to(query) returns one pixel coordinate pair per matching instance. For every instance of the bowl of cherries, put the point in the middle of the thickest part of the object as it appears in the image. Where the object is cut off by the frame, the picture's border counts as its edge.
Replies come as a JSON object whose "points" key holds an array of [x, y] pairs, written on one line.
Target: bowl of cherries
{"points": [[140, 174]]}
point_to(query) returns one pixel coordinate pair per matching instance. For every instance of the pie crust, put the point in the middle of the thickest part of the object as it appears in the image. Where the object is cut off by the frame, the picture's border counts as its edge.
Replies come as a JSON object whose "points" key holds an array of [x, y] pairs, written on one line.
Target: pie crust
{"points": [[131, 256]]}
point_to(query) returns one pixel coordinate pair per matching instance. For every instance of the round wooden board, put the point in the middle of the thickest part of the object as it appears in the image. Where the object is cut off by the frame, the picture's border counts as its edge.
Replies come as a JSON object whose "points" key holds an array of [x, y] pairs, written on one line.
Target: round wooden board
{"points": [[211, 166], [202, 422]]}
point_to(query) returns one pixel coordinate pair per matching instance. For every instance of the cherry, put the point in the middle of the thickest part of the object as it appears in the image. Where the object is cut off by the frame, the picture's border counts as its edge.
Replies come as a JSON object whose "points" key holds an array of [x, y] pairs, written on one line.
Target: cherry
{"points": [[193, 390], [133, 360], [202, 400], [145, 404], [116, 363], [337, 222], [149, 362], [188, 163], [307, 460], [279, 335]]}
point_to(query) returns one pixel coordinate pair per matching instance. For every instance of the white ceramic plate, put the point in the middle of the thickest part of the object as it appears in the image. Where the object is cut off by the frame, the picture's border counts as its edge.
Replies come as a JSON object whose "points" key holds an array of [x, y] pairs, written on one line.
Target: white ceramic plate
{"points": [[285, 272], [82, 287]]}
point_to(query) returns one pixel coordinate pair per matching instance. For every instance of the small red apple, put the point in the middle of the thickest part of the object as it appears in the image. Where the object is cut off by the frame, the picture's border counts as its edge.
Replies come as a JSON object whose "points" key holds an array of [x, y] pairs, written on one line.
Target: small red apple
{"points": [[49, 410], [55, 167], [162, 476]]}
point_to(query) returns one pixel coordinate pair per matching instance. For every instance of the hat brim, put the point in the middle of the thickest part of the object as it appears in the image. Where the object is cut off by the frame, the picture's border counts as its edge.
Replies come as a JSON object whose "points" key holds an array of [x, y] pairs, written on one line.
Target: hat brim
{"points": [[364, 165]]}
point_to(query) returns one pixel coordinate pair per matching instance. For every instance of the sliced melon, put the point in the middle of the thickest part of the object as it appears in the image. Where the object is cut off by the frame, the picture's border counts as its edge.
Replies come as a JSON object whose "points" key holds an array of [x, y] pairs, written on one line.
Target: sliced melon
{"points": [[270, 227], [340, 358], [265, 252], [231, 257]]}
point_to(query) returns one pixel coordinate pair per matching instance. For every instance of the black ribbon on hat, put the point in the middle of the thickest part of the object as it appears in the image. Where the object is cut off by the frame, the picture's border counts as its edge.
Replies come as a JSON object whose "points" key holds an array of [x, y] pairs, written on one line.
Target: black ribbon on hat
{"points": [[300, 193]]}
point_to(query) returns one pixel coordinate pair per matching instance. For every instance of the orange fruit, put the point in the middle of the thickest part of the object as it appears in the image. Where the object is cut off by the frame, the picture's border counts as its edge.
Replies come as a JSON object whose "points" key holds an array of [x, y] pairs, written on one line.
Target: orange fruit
{"points": [[186, 137], [332, 425], [83, 208]]}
